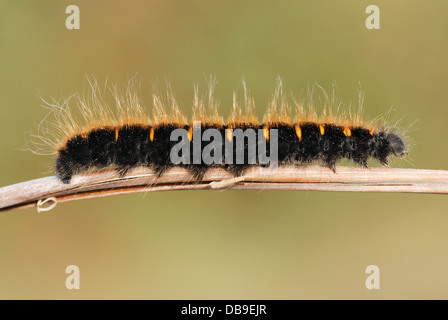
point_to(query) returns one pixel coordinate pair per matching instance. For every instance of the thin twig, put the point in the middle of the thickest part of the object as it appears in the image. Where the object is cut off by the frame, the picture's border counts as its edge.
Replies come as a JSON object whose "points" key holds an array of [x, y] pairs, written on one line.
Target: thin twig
{"points": [[309, 178]]}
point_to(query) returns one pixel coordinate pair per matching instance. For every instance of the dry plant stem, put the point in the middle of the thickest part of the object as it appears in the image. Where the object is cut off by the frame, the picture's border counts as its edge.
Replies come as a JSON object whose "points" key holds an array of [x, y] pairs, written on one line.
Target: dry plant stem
{"points": [[309, 178]]}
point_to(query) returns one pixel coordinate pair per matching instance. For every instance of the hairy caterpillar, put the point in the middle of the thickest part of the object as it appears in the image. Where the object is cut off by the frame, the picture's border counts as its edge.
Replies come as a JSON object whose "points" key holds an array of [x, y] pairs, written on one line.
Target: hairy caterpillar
{"points": [[128, 138]]}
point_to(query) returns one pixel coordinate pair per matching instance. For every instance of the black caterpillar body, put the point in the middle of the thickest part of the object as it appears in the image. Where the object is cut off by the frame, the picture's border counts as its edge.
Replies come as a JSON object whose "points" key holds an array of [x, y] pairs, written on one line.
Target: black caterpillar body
{"points": [[131, 145]]}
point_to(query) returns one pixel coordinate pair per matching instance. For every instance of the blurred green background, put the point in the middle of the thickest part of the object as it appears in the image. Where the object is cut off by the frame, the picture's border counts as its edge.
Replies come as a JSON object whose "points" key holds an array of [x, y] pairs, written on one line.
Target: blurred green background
{"points": [[227, 244]]}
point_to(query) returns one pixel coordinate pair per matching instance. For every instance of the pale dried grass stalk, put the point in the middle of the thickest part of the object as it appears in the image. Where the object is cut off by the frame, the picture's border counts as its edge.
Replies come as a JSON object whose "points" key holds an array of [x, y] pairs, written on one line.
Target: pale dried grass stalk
{"points": [[50, 190]]}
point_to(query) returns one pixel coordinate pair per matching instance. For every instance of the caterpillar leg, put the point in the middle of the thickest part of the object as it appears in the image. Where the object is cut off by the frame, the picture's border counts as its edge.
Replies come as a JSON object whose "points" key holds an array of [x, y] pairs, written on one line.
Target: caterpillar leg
{"points": [[197, 173], [331, 164], [122, 171]]}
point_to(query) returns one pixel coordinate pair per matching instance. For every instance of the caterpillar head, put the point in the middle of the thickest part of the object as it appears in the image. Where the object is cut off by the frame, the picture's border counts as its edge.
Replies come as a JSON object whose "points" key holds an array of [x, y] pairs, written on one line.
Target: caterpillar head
{"points": [[397, 145]]}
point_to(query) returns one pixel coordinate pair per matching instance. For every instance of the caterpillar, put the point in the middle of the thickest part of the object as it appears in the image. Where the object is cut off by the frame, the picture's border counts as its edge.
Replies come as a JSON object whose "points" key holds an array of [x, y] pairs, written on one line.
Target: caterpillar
{"points": [[128, 138]]}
